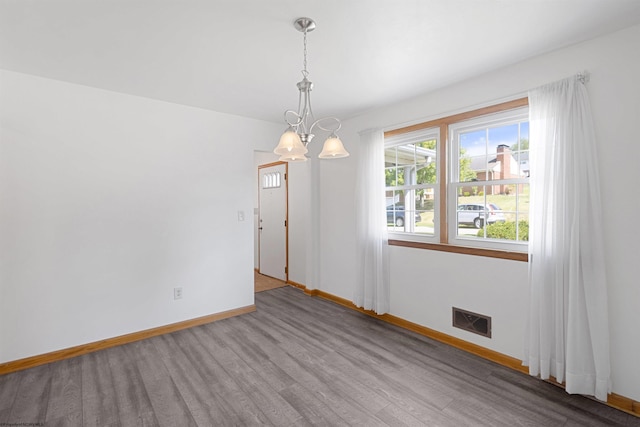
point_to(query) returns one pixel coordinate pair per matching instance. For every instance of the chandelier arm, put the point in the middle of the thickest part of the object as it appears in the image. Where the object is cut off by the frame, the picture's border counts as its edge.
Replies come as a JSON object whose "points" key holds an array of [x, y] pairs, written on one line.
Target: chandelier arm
{"points": [[336, 129], [298, 118]]}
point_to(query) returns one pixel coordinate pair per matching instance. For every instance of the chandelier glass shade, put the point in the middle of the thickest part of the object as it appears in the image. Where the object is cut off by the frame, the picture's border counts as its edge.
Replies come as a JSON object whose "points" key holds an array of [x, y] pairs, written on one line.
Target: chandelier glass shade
{"points": [[301, 123]]}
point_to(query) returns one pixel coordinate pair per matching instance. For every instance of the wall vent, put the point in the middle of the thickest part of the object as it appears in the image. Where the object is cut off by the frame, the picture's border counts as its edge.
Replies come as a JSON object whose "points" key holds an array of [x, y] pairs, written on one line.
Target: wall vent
{"points": [[472, 322]]}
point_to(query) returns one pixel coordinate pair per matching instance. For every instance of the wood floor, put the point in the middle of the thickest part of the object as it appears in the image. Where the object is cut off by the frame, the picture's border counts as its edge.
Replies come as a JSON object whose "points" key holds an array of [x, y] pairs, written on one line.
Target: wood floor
{"points": [[265, 283], [296, 361]]}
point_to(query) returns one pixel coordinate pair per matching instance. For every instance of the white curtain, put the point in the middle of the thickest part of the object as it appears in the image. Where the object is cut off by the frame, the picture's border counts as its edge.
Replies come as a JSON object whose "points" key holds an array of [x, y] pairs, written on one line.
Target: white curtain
{"points": [[372, 286], [568, 327]]}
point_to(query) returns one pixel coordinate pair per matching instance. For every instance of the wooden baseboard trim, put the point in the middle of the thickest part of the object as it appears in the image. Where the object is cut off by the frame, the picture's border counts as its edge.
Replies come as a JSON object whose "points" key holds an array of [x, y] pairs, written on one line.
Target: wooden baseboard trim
{"points": [[614, 400], [624, 403], [67, 353], [296, 285]]}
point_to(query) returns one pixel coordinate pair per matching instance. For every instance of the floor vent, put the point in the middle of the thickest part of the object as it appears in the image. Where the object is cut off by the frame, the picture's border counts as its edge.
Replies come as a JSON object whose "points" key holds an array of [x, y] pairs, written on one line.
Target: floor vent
{"points": [[472, 322]]}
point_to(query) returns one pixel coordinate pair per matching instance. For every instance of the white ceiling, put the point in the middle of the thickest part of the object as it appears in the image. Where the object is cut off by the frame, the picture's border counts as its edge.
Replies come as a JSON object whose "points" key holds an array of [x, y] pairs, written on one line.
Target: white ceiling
{"points": [[244, 56]]}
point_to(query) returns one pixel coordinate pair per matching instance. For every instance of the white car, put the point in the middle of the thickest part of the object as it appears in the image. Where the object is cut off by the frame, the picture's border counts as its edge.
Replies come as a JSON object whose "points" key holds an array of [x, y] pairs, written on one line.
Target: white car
{"points": [[478, 215]]}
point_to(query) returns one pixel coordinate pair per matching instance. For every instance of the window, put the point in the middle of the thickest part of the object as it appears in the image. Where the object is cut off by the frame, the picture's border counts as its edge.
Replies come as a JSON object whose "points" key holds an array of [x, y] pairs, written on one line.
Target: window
{"points": [[488, 194], [461, 182], [411, 178], [271, 180]]}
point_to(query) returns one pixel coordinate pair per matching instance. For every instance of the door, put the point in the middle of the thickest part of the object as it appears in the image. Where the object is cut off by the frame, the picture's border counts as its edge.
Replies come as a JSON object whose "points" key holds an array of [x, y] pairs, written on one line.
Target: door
{"points": [[272, 220]]}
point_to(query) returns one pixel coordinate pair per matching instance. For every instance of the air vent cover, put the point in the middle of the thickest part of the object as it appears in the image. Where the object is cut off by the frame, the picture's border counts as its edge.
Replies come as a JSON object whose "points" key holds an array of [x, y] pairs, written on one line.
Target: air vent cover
{"points": [[472, 322]]}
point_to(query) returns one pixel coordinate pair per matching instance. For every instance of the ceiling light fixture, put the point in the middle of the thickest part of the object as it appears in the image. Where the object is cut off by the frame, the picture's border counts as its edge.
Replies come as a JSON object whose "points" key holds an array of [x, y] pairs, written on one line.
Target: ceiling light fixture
{"points": [[294, 141]]}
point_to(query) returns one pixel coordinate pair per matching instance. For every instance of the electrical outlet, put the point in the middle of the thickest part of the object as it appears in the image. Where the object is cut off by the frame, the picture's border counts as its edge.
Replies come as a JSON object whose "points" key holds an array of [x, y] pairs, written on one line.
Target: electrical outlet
{"points": [[240, 215], [177, 293]]}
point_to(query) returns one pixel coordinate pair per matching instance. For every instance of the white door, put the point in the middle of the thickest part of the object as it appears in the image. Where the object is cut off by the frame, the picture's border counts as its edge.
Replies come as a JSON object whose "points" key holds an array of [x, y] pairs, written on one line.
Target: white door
{"points": [[272, 220]]}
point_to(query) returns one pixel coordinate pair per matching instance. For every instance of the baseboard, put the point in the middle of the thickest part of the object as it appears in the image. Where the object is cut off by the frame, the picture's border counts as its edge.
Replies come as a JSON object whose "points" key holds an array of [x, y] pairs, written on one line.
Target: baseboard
{"points": [[614, 400], [54, 356], [297, 285]]}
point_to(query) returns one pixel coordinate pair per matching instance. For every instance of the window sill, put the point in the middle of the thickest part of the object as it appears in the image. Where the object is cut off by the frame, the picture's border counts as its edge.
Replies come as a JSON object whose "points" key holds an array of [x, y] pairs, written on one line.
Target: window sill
{"points": [[491, 253]]}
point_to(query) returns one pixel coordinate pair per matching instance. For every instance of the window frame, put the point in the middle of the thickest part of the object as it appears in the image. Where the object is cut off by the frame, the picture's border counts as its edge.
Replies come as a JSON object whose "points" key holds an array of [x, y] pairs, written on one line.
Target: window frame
{"points": [[511, 116], [441, 229]]}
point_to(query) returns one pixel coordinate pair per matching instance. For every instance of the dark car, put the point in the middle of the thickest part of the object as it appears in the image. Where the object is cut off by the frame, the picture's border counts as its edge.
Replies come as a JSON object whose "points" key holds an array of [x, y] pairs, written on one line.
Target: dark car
{"points": [[395, 215]]}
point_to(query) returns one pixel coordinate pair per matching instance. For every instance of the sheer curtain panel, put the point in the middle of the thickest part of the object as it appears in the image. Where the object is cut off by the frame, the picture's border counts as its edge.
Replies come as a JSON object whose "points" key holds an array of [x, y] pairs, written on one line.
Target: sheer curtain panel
{"points": [[372, 286], [568, 328]]}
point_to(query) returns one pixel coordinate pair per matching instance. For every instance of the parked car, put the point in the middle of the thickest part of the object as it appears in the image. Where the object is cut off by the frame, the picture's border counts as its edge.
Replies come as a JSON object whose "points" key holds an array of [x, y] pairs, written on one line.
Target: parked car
{"points": [[478, 215], [395, 215]]}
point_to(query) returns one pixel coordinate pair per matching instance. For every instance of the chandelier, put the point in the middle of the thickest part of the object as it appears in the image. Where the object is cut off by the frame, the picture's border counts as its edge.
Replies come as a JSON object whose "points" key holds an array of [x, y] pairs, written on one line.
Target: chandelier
{"points": [[294, 141]]}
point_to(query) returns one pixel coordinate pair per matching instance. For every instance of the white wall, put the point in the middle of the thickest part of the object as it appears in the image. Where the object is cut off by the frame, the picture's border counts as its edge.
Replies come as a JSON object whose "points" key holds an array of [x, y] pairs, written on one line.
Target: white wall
{"points": [[426, 284], [108, 202]]}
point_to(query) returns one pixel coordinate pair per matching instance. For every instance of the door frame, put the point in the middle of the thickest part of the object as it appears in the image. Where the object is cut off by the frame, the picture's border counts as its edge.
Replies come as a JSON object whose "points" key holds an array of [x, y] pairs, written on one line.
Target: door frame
{"points": [[286, 208]]}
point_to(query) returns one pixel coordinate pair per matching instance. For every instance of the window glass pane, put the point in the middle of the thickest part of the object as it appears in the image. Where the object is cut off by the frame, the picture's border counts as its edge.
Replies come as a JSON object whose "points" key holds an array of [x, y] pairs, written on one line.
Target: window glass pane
{"points": [[390, 177], [400, 176], [470, 215], [390, 157], [425, 209], [390, 163], [502, 141], [502, 135], [516, 212], [395, 210], [426, 164], [406, 164], [473, 156], [521, 149], [411, 211], [494, 153], [492, 214], [406, 154]]}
